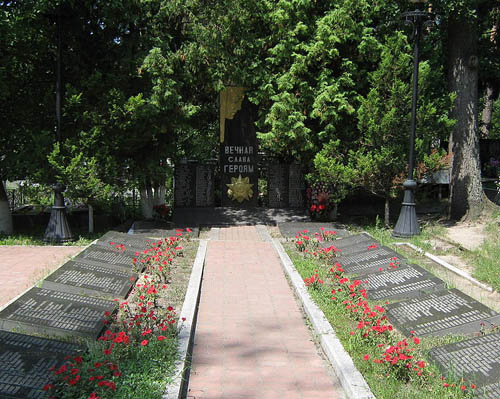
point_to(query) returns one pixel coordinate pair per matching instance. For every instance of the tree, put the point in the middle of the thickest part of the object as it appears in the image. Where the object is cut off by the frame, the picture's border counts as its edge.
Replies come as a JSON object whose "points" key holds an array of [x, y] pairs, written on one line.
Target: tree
{"points": [[466, 192], [381, 157], [490, 65]]}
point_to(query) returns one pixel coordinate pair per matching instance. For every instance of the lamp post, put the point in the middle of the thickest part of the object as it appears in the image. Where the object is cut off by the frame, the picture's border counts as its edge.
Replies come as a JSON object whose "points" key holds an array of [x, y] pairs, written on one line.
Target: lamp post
{"points": [[407, 224], [58, 230]]}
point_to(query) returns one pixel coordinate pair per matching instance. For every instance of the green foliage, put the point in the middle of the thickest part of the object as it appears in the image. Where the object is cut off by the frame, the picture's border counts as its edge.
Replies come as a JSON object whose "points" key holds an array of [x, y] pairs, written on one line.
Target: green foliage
{"points": [[330, 167], [384, 118], [80, 174], [495, 121]]}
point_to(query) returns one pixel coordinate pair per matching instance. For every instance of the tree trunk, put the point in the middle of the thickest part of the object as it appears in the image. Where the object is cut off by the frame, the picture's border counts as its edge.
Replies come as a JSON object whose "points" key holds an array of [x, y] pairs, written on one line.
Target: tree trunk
{"points": [[5, 215], [146, 200], [489, 95], [386, 212], [487, 110], [465, 185]]}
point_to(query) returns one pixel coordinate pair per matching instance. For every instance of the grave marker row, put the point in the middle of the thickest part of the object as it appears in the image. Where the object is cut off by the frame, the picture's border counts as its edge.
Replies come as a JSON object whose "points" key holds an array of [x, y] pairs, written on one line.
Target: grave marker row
{"points": [[428, 309], [67, 307]]}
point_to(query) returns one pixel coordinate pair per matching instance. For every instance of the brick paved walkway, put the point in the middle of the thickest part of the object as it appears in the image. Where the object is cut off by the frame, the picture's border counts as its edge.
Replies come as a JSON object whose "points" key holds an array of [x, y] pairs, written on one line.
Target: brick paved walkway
{"points": [[23, 266], [251, 339]]}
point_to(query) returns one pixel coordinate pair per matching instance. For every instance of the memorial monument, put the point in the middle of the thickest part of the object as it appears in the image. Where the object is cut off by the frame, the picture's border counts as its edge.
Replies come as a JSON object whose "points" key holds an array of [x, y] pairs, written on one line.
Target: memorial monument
{"points": [[238, 149]]}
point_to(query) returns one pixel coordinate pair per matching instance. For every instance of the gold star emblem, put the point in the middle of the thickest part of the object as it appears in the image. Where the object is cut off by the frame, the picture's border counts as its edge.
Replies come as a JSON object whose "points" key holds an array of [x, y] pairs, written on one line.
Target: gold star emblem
{"points": [[240, 189]]}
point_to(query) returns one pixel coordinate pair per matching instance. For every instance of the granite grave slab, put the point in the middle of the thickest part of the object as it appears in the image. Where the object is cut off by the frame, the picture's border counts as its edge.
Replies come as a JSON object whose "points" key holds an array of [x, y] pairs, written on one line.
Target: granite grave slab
{"points": [[442, 313], [356, 239], [134, 242], [402, 282], [352, 249], [290, 229], [53, 313], [84, 279], [296, 187], [277, 185], [369, 261], [162, 230], [477, 360], [108, 257], [362, 240], [25, 361], [185, 185]]}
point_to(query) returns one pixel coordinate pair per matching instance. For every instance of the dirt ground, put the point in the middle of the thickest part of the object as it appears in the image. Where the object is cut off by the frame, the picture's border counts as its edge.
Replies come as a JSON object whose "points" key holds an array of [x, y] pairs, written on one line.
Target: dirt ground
{"points": [[468, 235]]}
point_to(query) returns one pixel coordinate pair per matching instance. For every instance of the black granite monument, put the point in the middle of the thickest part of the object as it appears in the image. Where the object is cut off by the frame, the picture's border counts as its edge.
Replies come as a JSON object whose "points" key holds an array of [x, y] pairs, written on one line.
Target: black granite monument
{"points": [[238, 149]]}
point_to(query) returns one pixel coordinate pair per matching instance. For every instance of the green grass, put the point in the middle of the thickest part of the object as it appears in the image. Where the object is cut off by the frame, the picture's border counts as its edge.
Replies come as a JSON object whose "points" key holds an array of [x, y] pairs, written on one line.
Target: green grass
{"points": [[80, 239], [383, 384], [486, 258], [384, 235]]}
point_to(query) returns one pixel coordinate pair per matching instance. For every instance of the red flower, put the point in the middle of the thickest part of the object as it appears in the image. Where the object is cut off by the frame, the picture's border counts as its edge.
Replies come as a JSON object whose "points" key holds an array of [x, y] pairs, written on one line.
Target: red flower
{"points": [[366, 357], [74, 380], [93, 395], [144, 342], [161, 338], [321, 207], [313, 208]]}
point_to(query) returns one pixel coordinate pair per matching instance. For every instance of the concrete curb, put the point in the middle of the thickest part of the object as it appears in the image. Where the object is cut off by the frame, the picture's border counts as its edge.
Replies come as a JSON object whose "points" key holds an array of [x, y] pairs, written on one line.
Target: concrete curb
{"points": [[351, 379], [447, 266], [174, 390]]}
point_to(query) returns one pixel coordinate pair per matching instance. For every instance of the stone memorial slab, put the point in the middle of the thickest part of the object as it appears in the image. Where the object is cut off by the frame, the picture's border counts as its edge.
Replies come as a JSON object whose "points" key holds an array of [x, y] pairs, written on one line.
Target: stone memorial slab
{"points": [[369, 261], [442, 313], [47, 312], [296, 187], [25, 361], [277, 186], [109, 257], [238, 149], [134, 242], [402, 282], [291, 229], [357, 248], [205, 185], [477, 360], [84, 279], [351, 247], [362, 240], [185, 185], [158, 230]]}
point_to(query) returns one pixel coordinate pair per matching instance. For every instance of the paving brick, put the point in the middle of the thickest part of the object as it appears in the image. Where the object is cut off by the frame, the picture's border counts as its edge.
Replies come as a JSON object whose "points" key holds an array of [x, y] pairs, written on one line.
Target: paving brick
{"points": [[251, 338]]}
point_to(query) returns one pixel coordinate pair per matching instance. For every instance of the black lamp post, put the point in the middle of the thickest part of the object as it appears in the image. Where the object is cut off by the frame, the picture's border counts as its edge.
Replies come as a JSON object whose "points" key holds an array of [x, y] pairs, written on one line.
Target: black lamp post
{"points": [[407, 224], [58, 230]]}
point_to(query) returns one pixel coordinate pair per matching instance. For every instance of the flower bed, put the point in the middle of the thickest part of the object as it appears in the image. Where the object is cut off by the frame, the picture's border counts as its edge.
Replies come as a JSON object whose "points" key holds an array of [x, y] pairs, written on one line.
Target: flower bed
{"points": [[137, 351], [394, 366]]}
